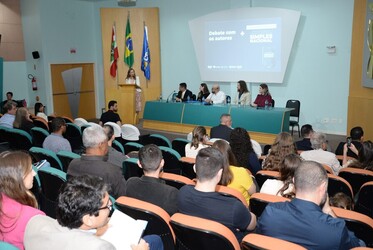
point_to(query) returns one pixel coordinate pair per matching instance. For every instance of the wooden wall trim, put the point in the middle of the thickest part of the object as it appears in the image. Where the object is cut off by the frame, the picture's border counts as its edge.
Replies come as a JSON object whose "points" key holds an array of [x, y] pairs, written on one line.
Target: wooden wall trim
{"points": [[151, 89], [360, 104]]}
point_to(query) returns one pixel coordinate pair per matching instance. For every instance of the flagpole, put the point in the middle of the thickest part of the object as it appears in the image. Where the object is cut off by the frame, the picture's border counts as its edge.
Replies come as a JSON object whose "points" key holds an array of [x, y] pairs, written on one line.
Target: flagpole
{"points": [[117, 77], [146, 79]]}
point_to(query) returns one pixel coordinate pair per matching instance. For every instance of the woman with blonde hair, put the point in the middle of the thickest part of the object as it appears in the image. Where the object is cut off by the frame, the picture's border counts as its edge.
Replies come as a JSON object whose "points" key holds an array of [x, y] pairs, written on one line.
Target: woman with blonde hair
{"points": [[234, 177], [199, 138], [283, 146], [17, 204], [23, 120]]}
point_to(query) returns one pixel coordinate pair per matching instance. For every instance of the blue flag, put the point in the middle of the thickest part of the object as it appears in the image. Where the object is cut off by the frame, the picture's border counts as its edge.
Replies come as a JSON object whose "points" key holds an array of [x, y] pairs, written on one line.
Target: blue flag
{"points": [[145, 58]]}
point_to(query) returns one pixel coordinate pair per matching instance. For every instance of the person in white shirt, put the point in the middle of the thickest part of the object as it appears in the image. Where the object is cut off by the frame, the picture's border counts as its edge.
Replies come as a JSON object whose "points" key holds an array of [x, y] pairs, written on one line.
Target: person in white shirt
{"points": [[318, 154], [198, 142], [216, 96], [39, 111], [10, 109]]}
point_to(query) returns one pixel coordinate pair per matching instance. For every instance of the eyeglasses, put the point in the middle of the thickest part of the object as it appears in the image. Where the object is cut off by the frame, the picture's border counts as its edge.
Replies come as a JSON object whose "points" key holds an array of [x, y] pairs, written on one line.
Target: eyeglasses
{"points": [[108, 206]]}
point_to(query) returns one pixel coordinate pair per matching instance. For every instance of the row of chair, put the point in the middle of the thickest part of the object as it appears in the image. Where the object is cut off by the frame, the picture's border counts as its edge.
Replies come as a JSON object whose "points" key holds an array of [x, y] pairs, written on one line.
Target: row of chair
{"points": [[182, 231], [355, 183]]}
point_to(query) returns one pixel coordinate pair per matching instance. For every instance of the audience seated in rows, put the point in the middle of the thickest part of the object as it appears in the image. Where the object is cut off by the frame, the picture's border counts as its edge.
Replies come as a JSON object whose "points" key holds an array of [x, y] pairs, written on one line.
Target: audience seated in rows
{"points": [[9, 109], [365, 156], [242, 149], [198, 142], [184, 94], [284, 186], [111, 115], [202, 201], [22, 120], [305, 144], [114, 157], [319, 153], [55, 141], [308, 219], [17, 204], [357, 138], [94, 161], [83, 211], [235, 177], [149, 187], [282, 146]]}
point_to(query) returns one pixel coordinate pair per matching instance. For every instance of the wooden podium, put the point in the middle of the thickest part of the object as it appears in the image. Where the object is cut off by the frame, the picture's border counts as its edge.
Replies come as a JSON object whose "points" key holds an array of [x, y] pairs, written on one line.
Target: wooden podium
{"points": [[125, 95]]}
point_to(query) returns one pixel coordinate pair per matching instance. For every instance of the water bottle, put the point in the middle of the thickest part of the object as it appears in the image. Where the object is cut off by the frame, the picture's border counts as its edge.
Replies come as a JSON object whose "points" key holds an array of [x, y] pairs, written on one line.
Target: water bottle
{"points": [[160, 98], [239, 104], [188, 98], [266, 104], [203, 100], [228, 100]]}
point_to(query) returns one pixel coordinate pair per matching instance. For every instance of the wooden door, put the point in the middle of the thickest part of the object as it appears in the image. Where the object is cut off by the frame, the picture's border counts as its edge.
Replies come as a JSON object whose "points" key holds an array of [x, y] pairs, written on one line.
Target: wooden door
{"points": [[73, 90]]}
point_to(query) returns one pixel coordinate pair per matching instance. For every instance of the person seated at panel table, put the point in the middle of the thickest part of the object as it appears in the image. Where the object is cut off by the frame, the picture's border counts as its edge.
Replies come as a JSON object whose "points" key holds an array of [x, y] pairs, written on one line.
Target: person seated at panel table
{"points": [[203, 92], [216, 96], [244, 96], [184, 93], [263, 96]]}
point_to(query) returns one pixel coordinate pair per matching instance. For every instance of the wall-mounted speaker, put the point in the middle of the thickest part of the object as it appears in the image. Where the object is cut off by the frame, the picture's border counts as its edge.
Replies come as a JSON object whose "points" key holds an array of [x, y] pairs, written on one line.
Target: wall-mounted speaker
{"points": [[35, 55]]}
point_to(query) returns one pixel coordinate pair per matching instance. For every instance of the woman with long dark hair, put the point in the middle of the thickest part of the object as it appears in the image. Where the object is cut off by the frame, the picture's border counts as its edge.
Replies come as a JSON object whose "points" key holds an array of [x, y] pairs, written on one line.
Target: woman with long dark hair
{"points": [[244, 96], [39, 111], [365, 156], [263, 97], [17, 204], [243, 150], [284, 186], [203, 92], [235, 177]]}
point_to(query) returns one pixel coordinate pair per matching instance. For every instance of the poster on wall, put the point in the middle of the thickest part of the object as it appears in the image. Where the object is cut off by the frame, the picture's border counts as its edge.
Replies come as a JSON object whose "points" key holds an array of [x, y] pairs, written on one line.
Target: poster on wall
{"points": [[367, 71]]}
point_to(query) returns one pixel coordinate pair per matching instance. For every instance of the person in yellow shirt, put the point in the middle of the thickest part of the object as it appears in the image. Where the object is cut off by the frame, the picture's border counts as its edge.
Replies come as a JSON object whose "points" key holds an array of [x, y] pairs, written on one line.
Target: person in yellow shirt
{"points": [[238, 178]]}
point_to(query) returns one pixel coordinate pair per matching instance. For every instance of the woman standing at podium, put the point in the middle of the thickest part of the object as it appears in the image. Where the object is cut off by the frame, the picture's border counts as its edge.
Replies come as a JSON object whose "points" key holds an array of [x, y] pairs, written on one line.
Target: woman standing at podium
{"points": [[263, 97], [133, 79]]}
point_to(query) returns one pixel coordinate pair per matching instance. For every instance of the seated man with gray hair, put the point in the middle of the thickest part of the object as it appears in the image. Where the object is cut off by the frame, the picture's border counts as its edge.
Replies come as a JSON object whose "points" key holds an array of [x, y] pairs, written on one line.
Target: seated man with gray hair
{"points": [[94, 161], [308, 219], [319, 153]]}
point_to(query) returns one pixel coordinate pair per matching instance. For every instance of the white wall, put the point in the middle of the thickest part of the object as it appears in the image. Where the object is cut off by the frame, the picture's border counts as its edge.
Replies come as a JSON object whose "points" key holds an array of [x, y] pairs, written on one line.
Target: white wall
{"points": [[319, 80]]}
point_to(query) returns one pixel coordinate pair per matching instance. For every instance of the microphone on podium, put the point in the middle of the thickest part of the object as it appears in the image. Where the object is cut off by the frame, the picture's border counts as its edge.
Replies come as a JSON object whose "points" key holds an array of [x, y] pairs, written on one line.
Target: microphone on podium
{"points": [[168, 97]]}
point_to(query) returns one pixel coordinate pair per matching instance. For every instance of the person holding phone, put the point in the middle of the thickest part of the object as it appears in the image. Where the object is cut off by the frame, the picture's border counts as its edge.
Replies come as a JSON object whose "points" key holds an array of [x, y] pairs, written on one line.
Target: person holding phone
{"points": [[356, 138]]}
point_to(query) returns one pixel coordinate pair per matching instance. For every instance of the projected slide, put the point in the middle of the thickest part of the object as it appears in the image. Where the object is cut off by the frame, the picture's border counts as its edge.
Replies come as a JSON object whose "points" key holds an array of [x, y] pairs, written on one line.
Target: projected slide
{"points": [[257, 45], [253, 44]]}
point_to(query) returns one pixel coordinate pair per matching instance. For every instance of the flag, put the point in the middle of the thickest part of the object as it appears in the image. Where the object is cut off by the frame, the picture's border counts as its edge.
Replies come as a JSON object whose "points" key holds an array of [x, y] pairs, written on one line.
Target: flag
{"points": [[113, 54], [128, 53], [145, 58]]}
